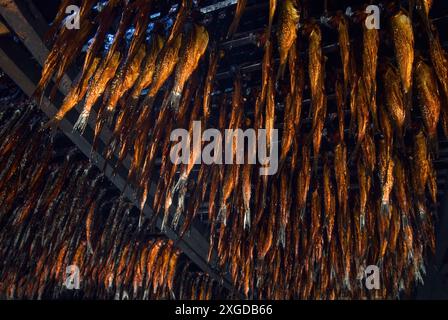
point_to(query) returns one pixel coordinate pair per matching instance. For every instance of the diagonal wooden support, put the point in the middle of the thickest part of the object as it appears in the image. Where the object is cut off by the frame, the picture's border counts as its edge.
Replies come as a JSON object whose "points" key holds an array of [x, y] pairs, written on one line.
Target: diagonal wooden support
{"points": [[15, 61]]}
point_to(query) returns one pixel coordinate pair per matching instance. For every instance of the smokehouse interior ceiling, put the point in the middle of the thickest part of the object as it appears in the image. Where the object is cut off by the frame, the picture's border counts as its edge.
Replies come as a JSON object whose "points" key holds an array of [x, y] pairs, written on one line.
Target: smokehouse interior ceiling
{"points": [[243, 55]]}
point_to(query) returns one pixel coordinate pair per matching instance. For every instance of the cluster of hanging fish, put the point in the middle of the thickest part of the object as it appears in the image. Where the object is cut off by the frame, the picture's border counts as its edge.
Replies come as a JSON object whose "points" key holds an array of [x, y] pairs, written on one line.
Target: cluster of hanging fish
{"points": [[357, 188], [57, 211]]}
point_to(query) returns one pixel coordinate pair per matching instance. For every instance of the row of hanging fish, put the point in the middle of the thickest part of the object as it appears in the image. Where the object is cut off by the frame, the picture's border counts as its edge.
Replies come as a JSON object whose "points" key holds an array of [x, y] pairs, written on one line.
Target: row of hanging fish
{"points": [[356, 184], [58, 212]]}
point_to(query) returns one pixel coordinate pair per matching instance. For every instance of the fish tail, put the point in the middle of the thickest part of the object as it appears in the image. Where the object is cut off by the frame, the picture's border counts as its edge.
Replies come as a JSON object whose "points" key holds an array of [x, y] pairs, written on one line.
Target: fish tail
{"points": [[347, 282], [385, 208], [176, 218], [247, 218], [222, 214], [281, 72], [81, 123], [141, 218], [109, 115], [282, 235], [89, 247], [362, 220], [302, 213], [179, 210], [422, 214], [174, 101], [165, 220], [411, 255], [180, 183]]}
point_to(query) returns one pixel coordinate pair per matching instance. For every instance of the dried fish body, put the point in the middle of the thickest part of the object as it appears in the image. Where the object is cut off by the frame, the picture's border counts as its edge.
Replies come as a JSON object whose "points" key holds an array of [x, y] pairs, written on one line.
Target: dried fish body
{"points": [[371, 42], [365, 184], [303, 181], [429, 97], [209, 81], [77, 93], [394, 100], [386, 170], [240, 7], [344, 45], [127, 78], [145, 78], [195, 47], [289, 17], [99, 82], [166, 62], [403, 37], [272, 9]]}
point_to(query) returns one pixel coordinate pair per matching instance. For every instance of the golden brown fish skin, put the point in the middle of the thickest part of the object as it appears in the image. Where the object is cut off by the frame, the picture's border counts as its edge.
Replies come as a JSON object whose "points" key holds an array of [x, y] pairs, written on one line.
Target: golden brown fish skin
{"points": [[165, 65], [270, 110], [429, 97], [99, 84], [344, 46], [68, 44], [362, 113], [403, 37], [240, 7], [214, 57], [288, 130], [145, 78], [439, 60], [369, 152], [266, 74], [106, 18], [329, 199], [284, 206], [394, 100], [386, 170], [371, 42], [317, 86], [267, 234], [182, 14], [365, 183], [315, 68], [272, 9], [131, 73], [401, 185], [76, 94], [195, 47], [386, 127], [289, 17], [421, 171], [340, 98], [57, 22], [303, 181], [141, 18], [246, 186], [432, 182], [342, 184], [425, 6]]}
